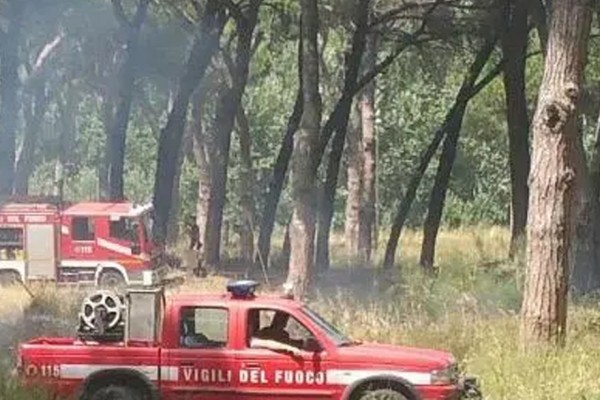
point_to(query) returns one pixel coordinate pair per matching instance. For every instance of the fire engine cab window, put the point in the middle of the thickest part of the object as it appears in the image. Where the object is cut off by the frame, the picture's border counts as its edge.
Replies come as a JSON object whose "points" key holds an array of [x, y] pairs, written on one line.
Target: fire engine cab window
{"points": [[278, 326], [83, 229], [11, 244], [204, 327], [124, 229]]}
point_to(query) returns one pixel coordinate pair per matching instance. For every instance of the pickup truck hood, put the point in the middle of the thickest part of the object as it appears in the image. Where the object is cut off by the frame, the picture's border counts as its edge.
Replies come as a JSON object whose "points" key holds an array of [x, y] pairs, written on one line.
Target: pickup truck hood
{"points": [[394, 357]]}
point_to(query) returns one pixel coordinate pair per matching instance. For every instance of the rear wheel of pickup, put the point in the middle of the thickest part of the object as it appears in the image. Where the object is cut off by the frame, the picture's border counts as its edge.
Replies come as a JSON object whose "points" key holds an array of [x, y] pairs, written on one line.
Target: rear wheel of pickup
{"points": [[116, 393]]}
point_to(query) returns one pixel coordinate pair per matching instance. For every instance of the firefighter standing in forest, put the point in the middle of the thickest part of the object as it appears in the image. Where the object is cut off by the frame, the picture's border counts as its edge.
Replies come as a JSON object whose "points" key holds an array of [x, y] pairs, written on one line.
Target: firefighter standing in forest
{"points": [[195, 245]]}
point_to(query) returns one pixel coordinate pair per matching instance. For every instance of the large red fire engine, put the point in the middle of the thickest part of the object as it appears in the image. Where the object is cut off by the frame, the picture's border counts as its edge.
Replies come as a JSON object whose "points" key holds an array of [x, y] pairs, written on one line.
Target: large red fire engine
{"points": [[91, 242]]}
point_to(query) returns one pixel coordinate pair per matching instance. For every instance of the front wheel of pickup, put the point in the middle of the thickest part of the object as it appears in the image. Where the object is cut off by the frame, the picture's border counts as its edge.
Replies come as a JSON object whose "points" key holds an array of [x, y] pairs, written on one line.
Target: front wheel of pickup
{"points": [[382, 394], [116, 393]]}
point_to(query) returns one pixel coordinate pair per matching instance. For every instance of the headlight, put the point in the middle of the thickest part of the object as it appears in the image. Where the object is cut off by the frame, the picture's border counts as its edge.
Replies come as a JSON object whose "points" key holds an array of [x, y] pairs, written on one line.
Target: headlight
{"points": [[446, 376]]}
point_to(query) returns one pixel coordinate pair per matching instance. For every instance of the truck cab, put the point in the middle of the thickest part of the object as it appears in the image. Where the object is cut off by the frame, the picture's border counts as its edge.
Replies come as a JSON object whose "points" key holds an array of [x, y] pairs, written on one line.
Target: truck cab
{"points": [[102, 243], [231, 346], [108, 243]]}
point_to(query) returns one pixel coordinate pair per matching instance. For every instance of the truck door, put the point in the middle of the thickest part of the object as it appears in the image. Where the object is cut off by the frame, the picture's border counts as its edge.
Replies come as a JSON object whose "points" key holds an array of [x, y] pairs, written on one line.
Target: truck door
{"points": [[201, 367], [41, 251], [269, 374]]}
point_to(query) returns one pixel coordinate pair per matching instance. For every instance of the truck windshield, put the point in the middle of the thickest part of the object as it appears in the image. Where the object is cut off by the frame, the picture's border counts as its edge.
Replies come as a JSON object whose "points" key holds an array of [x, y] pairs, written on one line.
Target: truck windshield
{"points": [[338, 337]]}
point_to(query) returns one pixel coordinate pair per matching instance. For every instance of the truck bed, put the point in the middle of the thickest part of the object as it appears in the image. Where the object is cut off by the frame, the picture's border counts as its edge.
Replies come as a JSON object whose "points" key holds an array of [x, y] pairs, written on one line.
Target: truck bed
{"points": [[70, 358]]}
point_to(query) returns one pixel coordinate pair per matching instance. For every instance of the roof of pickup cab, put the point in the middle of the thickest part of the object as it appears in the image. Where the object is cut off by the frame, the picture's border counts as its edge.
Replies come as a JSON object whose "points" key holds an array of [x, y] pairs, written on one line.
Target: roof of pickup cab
{"points": [[227, 299]]}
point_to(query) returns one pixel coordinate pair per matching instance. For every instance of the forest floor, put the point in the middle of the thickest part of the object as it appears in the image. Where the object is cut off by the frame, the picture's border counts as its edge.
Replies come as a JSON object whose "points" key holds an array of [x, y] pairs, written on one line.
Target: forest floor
{"points": [[471, 309]]}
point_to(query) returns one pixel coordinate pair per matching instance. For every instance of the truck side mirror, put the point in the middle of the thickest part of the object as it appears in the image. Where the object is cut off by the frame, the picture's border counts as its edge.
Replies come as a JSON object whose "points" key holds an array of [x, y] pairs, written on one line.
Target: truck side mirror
{"points": [[136, 250]]}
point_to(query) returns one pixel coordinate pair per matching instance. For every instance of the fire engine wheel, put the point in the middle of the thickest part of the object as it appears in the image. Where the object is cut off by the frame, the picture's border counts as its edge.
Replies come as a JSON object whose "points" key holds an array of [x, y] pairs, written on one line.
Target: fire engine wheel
{"points": [[111, 278], [381, 394], [116, 393]]}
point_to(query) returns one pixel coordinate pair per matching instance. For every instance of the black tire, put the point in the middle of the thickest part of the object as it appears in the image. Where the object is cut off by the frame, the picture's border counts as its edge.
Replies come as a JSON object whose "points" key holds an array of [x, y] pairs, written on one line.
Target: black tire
{"points": [[111, 278], [381, 394], [115, 393]]}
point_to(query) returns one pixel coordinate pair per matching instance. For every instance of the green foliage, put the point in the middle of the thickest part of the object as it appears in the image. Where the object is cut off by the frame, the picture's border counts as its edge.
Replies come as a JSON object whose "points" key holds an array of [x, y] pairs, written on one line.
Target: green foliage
{"points": [[413, 97]]}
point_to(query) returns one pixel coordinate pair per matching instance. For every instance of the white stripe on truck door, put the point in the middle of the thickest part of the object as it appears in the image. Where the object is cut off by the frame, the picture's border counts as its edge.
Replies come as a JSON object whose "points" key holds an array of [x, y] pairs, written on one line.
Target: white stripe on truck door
{"points": [[171, 374]]}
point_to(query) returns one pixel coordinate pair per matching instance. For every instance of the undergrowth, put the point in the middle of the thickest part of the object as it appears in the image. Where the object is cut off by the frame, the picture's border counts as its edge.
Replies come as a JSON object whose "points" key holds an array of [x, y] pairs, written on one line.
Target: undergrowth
{"points": [[471, 309]]}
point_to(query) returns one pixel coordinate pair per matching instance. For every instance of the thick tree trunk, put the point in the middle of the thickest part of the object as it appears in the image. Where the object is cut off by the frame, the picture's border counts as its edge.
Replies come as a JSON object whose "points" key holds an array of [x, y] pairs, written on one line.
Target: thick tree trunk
{"points": [[126, 77], [585, 276], [9, 88], [302, 229], [67, 109], [442, 178], [269, 212], [354, 176], [200, 152], [173, 226], [34, 117], [368, 208], [555, 176], [467, 91], [246, 188], [540, 17], [353, 64], [205, 45], [514, 48], [224, 122]]}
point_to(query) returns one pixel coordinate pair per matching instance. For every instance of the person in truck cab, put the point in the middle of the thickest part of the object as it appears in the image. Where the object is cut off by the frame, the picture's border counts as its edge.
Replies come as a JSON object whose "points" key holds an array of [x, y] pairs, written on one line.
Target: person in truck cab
{"points": [[274, 336], [189, 337]]}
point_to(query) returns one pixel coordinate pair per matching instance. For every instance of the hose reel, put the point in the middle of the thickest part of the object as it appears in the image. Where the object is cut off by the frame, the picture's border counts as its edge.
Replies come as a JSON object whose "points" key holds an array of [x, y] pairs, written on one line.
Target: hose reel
{"points": [[102, 316]]}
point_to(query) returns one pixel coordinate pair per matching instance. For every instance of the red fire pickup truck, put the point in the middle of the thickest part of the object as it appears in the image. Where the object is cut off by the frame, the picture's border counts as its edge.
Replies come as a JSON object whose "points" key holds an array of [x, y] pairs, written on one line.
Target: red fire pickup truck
{"points": [[147, 346]]}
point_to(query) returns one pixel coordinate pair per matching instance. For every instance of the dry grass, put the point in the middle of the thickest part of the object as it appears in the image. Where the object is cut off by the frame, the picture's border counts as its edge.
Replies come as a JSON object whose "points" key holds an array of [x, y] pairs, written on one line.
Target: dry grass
{"points": [[471, 310]]}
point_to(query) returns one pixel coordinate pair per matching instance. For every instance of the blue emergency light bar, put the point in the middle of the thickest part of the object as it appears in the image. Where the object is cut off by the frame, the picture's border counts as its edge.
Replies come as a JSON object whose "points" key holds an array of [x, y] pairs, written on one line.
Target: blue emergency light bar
{"points": [[243, 289]]}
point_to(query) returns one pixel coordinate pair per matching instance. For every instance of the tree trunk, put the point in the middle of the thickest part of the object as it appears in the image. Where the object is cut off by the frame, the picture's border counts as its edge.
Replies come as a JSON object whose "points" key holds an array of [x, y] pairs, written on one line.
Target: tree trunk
{"points": [[34, 117], [286, 248], [224, 120], [353, 64], [205, 45], [555, 176], [200, 152], [585, 276], [442, 178], [108, 113], [269, 212], [246, 188], [514, 48], [67, 109], [173, 226], [9, 88], [354, 172], [467, 91], [368, 208], [539, 16], [302, 229], [126, 77]]}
